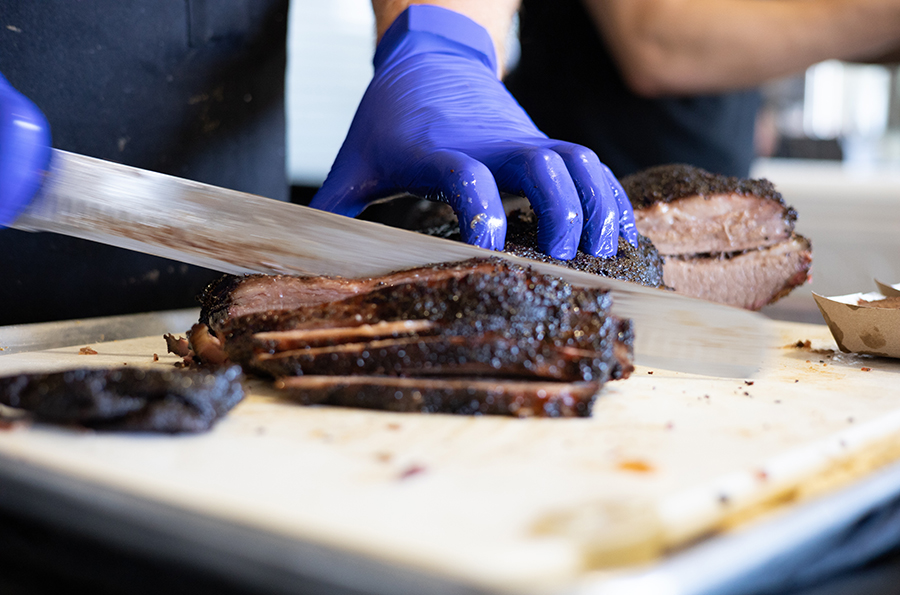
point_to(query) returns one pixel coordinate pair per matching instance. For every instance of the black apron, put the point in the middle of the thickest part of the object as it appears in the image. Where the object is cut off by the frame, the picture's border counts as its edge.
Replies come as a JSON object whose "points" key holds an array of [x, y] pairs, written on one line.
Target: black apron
{"points": [[190, 88], [568, 83]]}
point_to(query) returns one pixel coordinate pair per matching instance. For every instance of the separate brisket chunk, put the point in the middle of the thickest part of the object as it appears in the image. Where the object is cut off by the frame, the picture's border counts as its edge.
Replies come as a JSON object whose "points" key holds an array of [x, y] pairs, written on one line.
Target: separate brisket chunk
{"points": [[479, 336], [130, 399], [724, 239]]}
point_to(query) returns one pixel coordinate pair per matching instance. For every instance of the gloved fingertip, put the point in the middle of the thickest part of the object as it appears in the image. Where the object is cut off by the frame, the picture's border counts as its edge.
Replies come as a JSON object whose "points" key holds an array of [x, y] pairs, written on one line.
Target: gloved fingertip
{"points": [[607, 249], [630, 233], [484, 230], [564, 250]]}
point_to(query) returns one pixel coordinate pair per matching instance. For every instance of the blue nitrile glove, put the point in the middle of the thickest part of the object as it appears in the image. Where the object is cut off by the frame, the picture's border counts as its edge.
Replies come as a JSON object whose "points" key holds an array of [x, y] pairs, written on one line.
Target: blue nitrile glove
{"points": [[24, 151], [436, 122]]}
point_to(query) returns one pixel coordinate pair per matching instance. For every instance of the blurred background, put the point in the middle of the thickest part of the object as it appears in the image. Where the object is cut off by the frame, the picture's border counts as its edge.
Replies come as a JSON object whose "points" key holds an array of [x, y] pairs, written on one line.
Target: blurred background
{"points": [[829, 138]]}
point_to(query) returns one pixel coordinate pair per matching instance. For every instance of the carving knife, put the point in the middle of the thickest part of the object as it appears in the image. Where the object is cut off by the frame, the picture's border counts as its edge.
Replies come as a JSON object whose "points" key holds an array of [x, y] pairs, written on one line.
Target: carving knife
{"points": [[239, 233]]}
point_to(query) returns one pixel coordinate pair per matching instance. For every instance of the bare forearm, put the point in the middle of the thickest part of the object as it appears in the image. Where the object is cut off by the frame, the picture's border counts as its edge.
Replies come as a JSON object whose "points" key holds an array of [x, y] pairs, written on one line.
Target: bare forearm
{"points": [[695, 46], [494, 15]]}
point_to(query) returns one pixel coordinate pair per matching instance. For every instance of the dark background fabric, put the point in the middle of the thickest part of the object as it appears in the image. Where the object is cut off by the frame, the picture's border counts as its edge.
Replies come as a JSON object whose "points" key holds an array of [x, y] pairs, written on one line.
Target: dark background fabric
{"points": [[567, 81], [193, 88]]}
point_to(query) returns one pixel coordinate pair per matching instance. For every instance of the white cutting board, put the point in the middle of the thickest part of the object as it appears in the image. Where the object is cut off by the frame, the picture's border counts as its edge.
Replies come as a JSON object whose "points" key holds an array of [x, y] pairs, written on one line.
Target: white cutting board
{"points": [[529, 505]]}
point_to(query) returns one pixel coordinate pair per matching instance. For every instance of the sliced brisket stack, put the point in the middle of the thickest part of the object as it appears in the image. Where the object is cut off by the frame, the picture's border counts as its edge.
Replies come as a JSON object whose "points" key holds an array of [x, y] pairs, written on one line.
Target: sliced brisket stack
{"points": [[723, 239], [482, 336]]}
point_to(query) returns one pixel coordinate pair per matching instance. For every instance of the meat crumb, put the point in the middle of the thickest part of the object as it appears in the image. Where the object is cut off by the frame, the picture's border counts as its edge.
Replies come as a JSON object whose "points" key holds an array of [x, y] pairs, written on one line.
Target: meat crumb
{"points": [[866, 369], [807, 344], [748, 382], [650, 371], [155, 357], [87, 351], [411, 471]]}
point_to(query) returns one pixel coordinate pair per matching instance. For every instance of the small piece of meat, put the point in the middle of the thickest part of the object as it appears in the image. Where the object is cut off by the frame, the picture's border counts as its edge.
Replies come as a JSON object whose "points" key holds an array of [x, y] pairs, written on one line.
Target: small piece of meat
{"points": [[206, 347], [177, 345], [722, 238], [750, 279], [127, 399], [888, 302], [437, 395]]}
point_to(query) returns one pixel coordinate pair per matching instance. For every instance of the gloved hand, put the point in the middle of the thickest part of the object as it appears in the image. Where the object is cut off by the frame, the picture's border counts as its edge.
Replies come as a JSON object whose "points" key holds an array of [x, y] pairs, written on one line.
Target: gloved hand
{"points": [[436, 122], [24, 151]]}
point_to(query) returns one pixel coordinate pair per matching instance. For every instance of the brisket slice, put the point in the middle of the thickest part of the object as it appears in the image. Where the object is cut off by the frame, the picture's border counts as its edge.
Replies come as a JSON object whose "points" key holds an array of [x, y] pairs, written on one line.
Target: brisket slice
{"points": [[445, 395], [231, 296], [687, 210], [724, 239], [441, 329], [130, 399], [749, 279]]}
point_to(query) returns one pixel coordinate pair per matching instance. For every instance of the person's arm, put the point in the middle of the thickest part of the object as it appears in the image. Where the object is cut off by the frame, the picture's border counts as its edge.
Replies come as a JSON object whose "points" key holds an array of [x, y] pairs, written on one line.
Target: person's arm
{"points": [[494, 15], [698, 46]]}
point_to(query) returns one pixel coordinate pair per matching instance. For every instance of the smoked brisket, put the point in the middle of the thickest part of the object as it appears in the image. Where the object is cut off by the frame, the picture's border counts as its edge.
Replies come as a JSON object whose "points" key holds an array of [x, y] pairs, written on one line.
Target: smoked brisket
{"points": [[479, 336]]}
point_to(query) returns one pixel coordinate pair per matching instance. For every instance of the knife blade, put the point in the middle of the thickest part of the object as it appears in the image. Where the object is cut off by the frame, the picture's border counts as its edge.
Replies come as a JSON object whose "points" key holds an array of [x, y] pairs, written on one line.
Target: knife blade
{"points": [[238, 233]]}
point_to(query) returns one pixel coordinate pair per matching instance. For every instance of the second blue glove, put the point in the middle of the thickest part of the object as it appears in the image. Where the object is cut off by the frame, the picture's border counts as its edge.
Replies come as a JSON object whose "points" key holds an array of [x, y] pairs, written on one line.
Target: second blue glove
{"points": [[437, 122], [24, 151]]}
